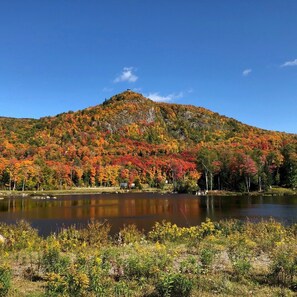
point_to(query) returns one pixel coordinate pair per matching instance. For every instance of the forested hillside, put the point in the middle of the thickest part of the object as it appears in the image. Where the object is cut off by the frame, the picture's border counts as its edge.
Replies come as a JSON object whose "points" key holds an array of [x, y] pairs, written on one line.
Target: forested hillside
{"points": [[132, 139]]}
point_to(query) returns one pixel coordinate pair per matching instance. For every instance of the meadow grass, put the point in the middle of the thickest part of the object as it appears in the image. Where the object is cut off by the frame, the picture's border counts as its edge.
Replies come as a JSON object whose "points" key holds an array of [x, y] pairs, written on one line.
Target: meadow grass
{"points": [[226, 258]]}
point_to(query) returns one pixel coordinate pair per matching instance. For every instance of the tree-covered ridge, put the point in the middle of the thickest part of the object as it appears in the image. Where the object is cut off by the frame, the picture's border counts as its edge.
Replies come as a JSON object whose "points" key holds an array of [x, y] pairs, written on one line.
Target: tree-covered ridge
{"points": [[132, 139]]}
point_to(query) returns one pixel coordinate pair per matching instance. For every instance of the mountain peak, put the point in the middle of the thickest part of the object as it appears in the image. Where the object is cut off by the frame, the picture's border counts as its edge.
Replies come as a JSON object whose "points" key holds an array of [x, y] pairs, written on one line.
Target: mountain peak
{"points": [[127, 96]]}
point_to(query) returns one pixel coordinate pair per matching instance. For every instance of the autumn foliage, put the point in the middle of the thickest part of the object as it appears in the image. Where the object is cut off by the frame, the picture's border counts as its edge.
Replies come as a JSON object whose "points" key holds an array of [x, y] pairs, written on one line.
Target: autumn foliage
{"points": [[134, 140]]}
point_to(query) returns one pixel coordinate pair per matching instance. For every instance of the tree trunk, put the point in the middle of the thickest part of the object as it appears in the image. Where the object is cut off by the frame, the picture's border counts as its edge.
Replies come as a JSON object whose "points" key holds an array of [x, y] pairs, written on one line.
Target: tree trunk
{"points": [[219, 183], [211, 181], [206, 180], [260, 183], [248, 183]]}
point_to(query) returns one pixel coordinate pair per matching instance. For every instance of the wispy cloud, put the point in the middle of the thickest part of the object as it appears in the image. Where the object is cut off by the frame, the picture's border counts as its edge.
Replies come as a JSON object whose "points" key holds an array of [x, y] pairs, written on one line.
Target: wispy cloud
{"points": [[127, 75], [159, 98], [246, 72], [290, 63], [107, 89], [136, 89]]}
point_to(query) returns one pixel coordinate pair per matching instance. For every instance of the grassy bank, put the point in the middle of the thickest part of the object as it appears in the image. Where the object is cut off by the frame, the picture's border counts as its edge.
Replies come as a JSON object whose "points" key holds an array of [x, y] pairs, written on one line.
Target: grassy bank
{"points": [[275, 191], [228, 258], [83, 191]]}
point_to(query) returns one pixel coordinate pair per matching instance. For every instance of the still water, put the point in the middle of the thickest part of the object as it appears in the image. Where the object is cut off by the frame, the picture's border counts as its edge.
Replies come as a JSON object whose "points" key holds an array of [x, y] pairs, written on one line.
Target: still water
{"points": [[143, 210]]}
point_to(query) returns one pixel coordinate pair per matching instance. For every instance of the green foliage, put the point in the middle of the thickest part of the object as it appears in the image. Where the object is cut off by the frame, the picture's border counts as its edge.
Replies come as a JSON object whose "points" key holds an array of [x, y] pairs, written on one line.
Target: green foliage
{"points": [[130, 234], [96, 233], [5, 280], [53, 261], [56, 285], [284, 266], [190, 265], [187, 186], [121, 289], [206, 257], [240, 253], [174, 285], [19, 236], [145, 264], [78, 282]]}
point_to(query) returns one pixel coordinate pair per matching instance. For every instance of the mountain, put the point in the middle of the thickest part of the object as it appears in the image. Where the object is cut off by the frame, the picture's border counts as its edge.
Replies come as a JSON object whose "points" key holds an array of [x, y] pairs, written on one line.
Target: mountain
{"points": [[132, 139]]}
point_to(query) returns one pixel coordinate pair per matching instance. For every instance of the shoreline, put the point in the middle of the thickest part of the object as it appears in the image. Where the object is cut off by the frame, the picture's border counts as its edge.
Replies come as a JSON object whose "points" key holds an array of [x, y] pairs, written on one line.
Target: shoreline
{"points": [[116, 190]]}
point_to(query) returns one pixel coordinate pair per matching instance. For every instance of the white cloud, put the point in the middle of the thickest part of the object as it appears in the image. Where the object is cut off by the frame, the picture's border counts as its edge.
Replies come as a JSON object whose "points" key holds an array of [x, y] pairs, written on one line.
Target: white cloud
{"points": [[246, 72], [127, 75], [106, 89], [158, 98], [136, 89], [290, 63]]}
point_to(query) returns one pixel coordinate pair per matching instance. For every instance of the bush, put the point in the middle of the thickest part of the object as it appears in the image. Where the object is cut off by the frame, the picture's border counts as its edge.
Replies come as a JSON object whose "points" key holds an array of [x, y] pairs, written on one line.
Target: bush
{"points": [[174, 285], [98, 283], [240, 252], [78, 283], [190, 265], [5, 280], [19, 236], [121, 289], [53, 261], [206, 258], [284, 266], [241, 266], [96, 234], [56, 285], [130, 234], [146, 261]]}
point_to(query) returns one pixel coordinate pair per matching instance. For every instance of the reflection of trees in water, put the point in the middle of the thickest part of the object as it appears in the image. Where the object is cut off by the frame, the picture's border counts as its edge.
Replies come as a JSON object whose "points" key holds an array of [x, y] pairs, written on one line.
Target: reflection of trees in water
{"points": [[143, 210]]}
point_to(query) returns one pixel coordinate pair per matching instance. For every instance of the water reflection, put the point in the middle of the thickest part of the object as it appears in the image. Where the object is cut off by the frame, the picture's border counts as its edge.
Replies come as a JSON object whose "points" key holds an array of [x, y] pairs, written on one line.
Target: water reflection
{"points": [[143, 209]]}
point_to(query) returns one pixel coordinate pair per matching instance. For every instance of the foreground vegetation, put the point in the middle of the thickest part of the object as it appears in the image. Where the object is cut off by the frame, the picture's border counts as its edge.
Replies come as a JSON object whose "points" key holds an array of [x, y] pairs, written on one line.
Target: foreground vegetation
{"points": [[227, 258]]}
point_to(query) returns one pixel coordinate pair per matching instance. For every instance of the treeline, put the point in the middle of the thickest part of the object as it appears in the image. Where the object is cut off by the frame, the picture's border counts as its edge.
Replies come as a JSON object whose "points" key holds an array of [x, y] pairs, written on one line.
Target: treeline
{"points": [[37, 174], [239, 168], [211, 167]]}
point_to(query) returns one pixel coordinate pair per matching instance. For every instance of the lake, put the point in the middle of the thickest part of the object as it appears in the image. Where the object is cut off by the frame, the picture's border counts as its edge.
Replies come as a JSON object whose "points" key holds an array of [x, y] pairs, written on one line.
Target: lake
{"points": [[143, 209]]}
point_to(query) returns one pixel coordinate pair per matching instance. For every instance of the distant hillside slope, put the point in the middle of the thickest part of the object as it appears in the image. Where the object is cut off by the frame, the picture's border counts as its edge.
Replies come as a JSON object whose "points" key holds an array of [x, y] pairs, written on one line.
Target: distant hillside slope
{"points": [[132, 139]]}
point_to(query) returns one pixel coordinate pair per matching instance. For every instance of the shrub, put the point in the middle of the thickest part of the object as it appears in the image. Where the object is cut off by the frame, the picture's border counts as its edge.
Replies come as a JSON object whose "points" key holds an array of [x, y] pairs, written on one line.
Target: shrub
{"points": [[283, 269], [145, 261], [5, 280], [174, 285], [69, 238], [121, 289], [241, 266], [240, 252], [78, 283], [166, 231], [56, 285], [53, 261], [98, 283], [130, 234], [96, 233], [190, 265], [207, 255], [19, 236]]}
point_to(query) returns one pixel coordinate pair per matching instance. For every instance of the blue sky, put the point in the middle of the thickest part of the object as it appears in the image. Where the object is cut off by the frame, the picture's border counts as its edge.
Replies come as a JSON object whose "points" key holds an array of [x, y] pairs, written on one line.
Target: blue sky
{"points": [[238, 58]]}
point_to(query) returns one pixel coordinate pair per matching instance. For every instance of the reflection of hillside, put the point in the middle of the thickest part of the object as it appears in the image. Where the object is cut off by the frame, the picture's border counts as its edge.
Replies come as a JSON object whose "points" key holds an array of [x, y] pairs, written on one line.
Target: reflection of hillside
{"points": [[144, 209], [101, 208]]}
